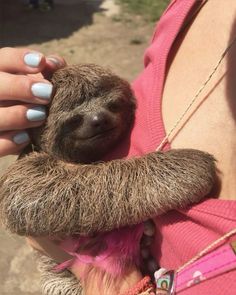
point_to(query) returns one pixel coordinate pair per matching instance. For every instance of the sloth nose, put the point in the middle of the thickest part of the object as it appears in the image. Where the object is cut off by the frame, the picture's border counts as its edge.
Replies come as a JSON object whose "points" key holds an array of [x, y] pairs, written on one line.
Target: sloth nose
{"points": [[99, 121]]}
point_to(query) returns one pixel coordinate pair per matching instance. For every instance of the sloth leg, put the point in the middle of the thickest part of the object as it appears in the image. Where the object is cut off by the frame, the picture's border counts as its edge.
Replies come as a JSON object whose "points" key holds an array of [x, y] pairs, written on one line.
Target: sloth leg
{"points": [[42, 196], [57, 283]]}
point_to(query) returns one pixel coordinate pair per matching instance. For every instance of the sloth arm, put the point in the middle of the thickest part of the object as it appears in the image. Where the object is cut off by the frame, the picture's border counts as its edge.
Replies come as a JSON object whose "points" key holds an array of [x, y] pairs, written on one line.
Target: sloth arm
{"points": [[40, 195]]}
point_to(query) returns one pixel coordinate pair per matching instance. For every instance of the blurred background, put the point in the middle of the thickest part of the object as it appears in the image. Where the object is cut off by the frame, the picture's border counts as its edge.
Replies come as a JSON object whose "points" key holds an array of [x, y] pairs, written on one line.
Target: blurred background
{"points": [[112, 33]]}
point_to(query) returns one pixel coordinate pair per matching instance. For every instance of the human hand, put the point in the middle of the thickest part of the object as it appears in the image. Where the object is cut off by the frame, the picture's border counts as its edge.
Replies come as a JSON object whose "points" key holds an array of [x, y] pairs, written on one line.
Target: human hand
{"points": [[24, 93], [49, 247], [89, 276]]}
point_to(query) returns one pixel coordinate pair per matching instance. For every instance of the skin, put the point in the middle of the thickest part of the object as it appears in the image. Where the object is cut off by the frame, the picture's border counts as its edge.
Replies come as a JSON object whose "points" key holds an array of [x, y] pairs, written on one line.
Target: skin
{"points": [[215, 112], [49, 141], [92, 283], [16, 77], [212, 127]]}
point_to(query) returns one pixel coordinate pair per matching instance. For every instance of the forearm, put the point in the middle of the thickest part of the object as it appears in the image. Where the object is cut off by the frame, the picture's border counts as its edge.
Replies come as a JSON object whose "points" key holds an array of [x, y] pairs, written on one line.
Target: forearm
{"points": [[92, 279], [43, 196], [131, 191]]}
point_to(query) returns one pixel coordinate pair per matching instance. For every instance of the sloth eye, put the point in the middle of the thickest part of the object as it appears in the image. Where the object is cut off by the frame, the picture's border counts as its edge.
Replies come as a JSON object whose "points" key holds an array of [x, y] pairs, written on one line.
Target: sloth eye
{"points": [[116, 105], [72, 124]]}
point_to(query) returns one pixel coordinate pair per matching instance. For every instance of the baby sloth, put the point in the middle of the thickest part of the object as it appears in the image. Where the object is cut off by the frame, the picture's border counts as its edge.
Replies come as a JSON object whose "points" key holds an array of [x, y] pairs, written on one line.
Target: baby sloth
{"points": [[63, 188]]}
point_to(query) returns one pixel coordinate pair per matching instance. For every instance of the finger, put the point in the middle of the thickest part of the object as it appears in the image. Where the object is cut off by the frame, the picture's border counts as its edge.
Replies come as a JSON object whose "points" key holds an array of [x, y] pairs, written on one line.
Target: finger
{"points": [[149, 228], [21, 60], [21, 117], [46, 246], [13, 142], [9, 103], [53, 63], [24, 88]]}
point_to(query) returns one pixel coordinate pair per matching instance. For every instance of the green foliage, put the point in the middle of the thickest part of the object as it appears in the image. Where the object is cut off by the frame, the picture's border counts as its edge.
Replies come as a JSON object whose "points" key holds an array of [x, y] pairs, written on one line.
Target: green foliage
{"points": [[151, 9]]}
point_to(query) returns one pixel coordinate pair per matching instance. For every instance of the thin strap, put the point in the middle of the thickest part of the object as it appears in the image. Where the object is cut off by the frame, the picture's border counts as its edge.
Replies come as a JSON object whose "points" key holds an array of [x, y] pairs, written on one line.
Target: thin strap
{"points": [[208, 248], [166, 138]]}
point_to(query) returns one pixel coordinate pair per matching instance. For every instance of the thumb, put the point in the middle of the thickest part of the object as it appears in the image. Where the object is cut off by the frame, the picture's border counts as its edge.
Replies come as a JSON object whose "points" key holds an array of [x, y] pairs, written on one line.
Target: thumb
{"points": [[53, 63]]}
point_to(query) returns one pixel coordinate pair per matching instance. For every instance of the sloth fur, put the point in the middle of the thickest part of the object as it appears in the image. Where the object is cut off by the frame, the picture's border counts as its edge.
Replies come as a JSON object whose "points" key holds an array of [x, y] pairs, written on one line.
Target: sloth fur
{"points": [[62, 189]]}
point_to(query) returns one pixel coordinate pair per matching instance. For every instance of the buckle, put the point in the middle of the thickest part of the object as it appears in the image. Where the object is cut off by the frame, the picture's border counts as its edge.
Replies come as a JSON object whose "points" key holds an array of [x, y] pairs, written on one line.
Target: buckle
{"points": [[164, 280]]}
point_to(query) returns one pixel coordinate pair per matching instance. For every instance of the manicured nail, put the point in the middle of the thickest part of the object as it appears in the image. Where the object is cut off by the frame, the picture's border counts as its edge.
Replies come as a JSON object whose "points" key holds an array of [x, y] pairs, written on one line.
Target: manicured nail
{"points": [[21, 137], [42, 90], [55, 61], [32, 59], [36, 114]]}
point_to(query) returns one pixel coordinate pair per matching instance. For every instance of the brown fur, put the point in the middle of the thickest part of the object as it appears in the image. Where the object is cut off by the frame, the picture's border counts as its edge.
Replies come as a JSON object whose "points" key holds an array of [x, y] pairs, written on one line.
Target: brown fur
{"points": [[48, 193], [57, 283], [83, 92], [45, 196]]}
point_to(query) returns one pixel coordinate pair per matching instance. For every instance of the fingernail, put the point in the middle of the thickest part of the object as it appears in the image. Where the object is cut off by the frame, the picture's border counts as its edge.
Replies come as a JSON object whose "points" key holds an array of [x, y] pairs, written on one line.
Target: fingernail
{"points": [[32, 59], [36, 114], [145, 253], [42, 90], [21, 137], [55, 61], [149, 229]]}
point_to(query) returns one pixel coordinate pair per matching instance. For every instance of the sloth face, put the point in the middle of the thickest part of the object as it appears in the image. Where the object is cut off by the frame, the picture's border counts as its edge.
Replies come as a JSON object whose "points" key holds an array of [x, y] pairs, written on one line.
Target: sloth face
{"points": [[86, 136], [90, 113]]}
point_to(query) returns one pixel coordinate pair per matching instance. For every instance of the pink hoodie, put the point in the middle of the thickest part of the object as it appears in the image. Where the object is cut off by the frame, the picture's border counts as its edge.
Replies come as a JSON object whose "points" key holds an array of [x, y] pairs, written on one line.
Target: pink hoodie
{"points": [[180, 234]]}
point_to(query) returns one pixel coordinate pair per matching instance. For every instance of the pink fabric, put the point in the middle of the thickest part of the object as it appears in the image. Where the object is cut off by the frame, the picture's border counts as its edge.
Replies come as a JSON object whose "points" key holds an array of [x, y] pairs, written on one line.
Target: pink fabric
{"points": [[219, 261], [180, 234], [120, 249], [148, 129]]}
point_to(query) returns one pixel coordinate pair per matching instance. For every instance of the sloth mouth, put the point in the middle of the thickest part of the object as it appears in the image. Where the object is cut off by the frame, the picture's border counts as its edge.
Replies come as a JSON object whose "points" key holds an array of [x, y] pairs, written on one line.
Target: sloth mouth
{"points": [[101, 134]]}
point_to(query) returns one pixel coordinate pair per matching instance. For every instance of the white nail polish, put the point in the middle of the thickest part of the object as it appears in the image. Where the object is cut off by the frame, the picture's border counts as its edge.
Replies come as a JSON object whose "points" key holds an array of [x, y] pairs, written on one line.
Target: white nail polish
{"points": [[32, 59], [36, 114], [42, 90], [21, 137]]}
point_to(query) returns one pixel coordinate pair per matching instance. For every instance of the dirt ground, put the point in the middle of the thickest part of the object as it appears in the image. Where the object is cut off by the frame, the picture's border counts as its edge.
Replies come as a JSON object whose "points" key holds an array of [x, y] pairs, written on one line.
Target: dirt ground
{"points": [[81, 31]]}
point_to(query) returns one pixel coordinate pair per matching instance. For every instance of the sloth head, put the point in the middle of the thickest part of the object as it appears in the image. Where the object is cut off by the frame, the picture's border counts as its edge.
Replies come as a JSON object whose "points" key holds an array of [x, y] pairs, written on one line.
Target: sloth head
{"points": [[91, 111]]}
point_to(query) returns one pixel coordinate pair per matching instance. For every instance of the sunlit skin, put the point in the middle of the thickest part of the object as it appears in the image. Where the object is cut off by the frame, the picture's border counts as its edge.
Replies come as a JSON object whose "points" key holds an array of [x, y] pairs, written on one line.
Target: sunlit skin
{"points": [[212, 127], [16, 96]]}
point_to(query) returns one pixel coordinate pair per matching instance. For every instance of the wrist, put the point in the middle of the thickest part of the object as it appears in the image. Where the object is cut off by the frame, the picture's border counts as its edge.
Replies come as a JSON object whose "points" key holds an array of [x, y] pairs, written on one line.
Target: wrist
{"points": [[144, 286], [97, 281]]}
